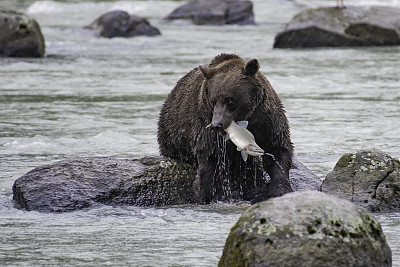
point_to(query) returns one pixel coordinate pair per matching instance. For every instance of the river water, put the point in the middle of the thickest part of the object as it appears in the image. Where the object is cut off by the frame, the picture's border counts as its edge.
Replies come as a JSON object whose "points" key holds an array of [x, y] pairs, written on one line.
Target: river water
{"points": [[101, 97]]}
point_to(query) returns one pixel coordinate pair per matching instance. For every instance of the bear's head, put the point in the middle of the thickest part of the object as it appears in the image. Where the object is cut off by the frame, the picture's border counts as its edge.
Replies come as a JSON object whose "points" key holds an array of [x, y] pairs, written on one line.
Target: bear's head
{"points": [[230, 90]]}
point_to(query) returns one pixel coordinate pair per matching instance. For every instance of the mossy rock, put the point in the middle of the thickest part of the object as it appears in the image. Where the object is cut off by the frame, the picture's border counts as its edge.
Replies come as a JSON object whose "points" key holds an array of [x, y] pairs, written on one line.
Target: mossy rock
{"points": [[369, 178], [80, 183], [20, 35], [307, 228]]}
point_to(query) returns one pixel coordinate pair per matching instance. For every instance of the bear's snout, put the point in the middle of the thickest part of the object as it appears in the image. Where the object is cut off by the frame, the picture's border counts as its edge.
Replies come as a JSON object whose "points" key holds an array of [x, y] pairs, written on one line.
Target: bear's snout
{"points": [[222, 118]]}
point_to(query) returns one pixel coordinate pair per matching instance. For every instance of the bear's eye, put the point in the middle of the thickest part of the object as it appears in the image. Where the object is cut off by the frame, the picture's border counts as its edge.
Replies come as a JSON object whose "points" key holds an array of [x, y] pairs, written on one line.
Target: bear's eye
{"points": [[229, 101]]}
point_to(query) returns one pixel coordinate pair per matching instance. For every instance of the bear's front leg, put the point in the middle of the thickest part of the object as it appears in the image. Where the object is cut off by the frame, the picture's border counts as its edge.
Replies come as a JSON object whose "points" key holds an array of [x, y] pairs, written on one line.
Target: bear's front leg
{"points": [[204, 184]]}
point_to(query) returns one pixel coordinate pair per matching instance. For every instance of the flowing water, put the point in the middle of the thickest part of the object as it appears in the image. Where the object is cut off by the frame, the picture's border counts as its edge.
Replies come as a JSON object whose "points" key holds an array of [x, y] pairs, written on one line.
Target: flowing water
{"points": [[101, 97]]}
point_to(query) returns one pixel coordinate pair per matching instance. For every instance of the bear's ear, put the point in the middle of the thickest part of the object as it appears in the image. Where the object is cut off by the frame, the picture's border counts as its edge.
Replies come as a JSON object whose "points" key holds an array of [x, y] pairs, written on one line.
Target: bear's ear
{"points": [[207, 71], [252, 67]]}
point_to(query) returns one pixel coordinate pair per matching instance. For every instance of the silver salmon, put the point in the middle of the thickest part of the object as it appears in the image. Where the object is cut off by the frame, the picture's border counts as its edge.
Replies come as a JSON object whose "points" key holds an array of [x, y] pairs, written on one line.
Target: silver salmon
{"points": [[244, 140]]}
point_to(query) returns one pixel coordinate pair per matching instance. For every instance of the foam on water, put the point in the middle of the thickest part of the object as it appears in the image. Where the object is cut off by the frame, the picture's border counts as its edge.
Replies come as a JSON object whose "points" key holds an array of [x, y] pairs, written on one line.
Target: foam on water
{"points": [[86, 12], [54, 7]]}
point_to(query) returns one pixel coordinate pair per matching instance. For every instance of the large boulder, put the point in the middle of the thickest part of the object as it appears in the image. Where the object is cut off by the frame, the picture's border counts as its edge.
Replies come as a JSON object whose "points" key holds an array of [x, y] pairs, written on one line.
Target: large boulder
{"points": [[80, 183], [368, 178], [215, 12], [307, 228], [152, 181], [20, 35], [338, 27], [119, 23]]}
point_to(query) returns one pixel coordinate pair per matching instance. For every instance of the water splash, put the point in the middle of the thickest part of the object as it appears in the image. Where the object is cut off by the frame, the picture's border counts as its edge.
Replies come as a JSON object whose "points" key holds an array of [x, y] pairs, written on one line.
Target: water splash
{"points": [[222, 170], [274, 159], [235, 179], [233, 176]]}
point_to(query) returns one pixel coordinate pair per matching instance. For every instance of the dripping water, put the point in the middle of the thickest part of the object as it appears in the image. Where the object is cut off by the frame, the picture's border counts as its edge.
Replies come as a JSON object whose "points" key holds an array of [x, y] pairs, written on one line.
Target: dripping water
{"points": [[222, 169], [242, 171], [274, 159], [250, 171]]}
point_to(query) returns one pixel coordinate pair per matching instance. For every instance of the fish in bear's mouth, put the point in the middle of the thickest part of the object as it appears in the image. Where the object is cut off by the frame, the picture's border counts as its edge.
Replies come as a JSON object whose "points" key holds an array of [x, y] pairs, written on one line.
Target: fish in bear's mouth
{"points": [[243, 139]]}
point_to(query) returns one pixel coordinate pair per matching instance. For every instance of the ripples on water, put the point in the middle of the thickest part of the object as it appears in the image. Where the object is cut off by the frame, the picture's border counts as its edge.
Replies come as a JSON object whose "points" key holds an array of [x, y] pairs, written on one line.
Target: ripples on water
{"points": [[131, 236], [101, 97]]}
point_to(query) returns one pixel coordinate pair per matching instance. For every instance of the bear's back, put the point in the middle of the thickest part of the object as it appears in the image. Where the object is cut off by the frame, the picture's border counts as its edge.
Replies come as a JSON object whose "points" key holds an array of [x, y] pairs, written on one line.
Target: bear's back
{"points": [[177, 124]]}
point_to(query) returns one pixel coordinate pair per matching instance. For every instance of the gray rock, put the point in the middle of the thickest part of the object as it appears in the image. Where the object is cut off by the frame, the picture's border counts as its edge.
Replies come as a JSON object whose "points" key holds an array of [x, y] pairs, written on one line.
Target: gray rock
{"points": [[120, 24], [370, 179], [215, 12], [306, 228], [20, 35], [152, 181], [301, 178], [80, 183], [342, 27]]}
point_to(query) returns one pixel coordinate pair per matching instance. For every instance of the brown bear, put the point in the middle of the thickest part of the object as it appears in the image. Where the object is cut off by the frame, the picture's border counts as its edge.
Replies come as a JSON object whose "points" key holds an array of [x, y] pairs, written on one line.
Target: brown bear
{"points": [[228, 89]]}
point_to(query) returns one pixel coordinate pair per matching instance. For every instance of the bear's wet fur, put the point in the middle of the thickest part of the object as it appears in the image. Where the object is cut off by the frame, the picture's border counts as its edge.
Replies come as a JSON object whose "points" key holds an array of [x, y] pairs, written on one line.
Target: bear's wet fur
{"points": [[228, 89]]}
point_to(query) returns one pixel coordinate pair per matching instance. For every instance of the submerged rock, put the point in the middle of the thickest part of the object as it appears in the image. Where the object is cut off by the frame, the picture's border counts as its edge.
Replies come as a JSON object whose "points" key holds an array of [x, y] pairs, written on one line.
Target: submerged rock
{"points": [[215, 12], [120, 24], [152, 181], [20, 35], [340, 27], [306, 228], [369, 178]]}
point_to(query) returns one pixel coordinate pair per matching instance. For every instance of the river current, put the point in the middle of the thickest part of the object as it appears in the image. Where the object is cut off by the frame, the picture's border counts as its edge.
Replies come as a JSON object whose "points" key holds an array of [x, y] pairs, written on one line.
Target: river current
{"points": [[101, 97]]}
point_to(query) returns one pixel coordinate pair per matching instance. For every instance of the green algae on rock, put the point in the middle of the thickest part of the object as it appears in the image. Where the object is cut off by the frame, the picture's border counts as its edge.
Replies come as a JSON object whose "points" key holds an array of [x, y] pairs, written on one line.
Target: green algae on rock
{"points": [[75, 184], [369, 178], [306, 228]]}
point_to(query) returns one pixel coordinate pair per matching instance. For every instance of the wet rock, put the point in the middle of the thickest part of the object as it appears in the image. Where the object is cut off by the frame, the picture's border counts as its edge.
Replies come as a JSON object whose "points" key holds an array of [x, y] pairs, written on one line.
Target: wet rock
{"points": [[152, 181], [369, 178], [215, 12], [342, 27], [80, 183], [301, 178], [307, 228], [120, 24], [20, 35]]}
